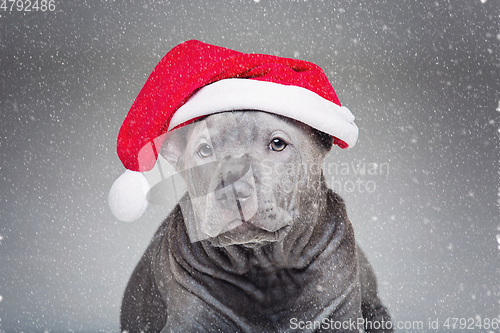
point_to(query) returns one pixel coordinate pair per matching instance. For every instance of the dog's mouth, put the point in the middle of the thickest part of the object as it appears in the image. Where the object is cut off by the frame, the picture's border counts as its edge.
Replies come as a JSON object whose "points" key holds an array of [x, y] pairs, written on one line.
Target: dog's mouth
{"points": [[233, 225], [245, 233]]}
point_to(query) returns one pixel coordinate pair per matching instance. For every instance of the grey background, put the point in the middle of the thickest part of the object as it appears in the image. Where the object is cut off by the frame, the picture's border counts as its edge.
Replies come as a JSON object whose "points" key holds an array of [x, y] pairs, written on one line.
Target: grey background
{"points": [[422, 78]]}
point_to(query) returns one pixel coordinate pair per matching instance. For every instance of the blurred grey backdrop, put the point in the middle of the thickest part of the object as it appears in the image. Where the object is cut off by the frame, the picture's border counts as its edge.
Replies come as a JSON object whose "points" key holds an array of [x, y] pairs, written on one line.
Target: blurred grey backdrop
{"points": [[422, 78]]}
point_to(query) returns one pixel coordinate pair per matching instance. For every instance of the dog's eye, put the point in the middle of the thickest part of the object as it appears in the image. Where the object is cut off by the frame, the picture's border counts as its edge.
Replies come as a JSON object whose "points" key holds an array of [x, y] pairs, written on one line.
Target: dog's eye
{"points": [[277, 145], [205, 150]]}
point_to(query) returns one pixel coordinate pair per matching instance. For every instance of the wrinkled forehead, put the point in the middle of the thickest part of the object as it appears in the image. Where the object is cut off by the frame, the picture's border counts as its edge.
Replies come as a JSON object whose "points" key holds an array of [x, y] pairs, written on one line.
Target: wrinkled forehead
{"points": [[249, 125]]}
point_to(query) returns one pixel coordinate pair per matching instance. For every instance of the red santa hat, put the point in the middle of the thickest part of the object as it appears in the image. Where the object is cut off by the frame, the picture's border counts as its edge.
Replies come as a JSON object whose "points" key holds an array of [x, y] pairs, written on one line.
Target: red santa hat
{"points": [[196, 79]]}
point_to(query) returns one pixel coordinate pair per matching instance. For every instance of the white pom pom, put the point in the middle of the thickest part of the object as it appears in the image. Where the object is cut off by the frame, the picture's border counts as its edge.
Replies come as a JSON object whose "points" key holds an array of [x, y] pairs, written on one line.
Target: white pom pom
{"points": [[127, 197]]}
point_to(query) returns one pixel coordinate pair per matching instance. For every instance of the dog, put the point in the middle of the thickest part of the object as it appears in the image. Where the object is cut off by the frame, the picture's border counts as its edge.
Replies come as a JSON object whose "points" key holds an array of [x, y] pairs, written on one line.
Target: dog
{"points": [[258, 243]]}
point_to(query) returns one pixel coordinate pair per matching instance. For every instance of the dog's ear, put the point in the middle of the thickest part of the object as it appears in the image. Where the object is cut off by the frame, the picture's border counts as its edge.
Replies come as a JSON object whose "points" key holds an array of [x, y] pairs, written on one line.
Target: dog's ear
{"points": [[173, 148]]}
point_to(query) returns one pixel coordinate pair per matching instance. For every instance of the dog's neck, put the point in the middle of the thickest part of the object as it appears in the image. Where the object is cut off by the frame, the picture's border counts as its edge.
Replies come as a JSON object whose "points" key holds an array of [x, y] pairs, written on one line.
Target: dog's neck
{"points": [[269, 274]]}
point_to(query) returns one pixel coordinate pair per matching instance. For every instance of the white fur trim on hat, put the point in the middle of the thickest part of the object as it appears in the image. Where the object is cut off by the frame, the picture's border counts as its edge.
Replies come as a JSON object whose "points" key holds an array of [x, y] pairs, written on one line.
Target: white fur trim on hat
{"points": [[290, 101], [127, 197]]}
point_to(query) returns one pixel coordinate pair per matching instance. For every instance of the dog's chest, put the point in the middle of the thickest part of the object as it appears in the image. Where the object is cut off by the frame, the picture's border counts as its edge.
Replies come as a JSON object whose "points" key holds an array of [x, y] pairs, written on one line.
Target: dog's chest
{"points": [[274, 288], [269, 297]]}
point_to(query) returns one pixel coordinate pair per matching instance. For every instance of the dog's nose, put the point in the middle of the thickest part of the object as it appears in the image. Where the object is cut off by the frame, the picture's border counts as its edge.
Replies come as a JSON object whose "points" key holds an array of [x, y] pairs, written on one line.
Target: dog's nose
{"points": [[239, 190], [233, 169], [232, 184]]}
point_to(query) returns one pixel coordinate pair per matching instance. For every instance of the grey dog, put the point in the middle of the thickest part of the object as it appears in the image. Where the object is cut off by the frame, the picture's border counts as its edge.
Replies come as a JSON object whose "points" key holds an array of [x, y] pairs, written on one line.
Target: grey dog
{"points": [[259, 243]]}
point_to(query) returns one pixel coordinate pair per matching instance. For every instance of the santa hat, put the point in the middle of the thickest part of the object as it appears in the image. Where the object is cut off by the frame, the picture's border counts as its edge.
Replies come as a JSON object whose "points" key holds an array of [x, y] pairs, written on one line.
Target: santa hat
{"points": [[196, 79]]}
